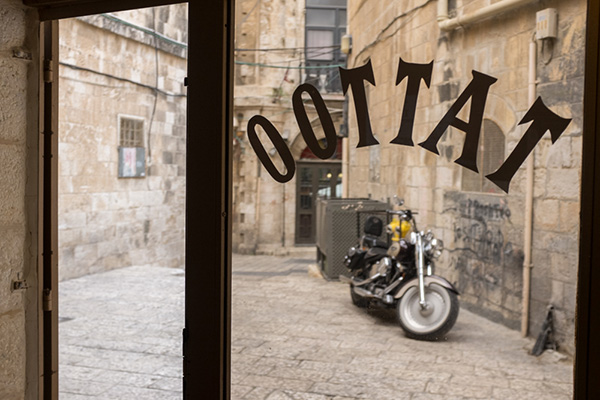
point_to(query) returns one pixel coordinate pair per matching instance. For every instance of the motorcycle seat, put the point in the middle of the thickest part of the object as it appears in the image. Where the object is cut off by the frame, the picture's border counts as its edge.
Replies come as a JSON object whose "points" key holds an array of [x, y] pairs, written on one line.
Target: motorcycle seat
{"points": [[371, 241], [375, 254]]}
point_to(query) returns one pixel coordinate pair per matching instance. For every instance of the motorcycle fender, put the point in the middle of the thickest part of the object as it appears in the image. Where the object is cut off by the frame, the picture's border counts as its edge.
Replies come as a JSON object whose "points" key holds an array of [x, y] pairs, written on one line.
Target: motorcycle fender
{"points": [[428, 280]]}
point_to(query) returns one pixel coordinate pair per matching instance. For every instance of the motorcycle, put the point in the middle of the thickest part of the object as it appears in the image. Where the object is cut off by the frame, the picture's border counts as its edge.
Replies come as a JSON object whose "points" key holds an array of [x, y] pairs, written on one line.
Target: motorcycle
{"points": [[401, 276]]}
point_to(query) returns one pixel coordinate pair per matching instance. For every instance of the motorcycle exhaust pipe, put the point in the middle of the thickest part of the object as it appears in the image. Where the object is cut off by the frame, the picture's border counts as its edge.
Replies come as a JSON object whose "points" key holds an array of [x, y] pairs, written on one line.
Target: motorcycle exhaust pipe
{"points": [[388, 299], [354, 282], [363, 293]]}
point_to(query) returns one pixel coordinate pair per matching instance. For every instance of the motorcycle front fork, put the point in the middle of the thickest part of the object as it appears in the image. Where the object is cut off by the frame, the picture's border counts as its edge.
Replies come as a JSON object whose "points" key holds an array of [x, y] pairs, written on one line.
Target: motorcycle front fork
{"points": [[421, 272]]}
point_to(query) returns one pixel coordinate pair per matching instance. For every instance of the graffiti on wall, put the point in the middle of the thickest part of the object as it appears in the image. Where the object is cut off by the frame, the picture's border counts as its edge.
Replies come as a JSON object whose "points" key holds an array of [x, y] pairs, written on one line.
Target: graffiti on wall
{"points": [[478, 228]]}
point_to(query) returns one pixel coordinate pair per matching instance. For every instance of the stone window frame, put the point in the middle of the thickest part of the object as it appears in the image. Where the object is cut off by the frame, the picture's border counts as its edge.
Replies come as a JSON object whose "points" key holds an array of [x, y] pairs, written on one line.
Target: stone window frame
{"points": [[490, 155], [326, 79], [336, 55], [131, 147], [134, 141]]}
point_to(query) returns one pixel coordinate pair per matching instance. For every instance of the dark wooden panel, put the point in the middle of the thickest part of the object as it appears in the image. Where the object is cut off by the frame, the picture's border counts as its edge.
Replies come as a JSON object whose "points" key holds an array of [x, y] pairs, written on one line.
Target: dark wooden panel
{"points": [[587, 361], [208, 225], [57, 9]]}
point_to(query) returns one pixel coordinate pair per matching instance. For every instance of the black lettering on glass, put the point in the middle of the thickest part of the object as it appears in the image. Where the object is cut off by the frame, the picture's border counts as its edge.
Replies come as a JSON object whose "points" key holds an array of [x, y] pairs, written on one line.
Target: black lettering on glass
{"points": [[477, 91], [280, 146], [415, 73], [354, 78], [304, 123], [543, 120]]}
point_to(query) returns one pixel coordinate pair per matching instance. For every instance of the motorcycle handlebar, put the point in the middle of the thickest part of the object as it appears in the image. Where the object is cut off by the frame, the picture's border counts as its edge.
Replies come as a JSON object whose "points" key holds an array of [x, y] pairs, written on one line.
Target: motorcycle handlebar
{"points": [[402, 212]]}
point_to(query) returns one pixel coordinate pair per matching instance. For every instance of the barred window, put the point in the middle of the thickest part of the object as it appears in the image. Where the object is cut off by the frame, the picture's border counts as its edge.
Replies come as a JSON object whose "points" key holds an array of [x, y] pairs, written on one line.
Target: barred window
{"points": [[132, 154], [489, 158], [131, 132]]}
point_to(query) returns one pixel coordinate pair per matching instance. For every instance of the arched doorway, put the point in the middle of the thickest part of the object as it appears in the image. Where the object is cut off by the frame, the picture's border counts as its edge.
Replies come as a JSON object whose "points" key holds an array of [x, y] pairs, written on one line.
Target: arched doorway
{"points": [[317, 179]]}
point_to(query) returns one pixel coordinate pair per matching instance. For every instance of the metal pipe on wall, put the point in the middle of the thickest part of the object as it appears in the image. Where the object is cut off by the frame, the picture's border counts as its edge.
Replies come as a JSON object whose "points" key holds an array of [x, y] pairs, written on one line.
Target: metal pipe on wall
{"points": [[447, 24], [345, 166], [528, 231]]}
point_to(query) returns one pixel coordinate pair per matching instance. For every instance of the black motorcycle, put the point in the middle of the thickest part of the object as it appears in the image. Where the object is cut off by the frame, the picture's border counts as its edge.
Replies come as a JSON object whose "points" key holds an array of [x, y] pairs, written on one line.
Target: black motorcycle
{"points": [[401, 275]]}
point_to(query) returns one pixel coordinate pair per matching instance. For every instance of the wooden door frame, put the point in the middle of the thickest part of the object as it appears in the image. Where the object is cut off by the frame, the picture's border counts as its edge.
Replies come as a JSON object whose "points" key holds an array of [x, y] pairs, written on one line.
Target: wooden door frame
{"points": [[48, 210], [587, 346], [206, 336], [208, 226]]}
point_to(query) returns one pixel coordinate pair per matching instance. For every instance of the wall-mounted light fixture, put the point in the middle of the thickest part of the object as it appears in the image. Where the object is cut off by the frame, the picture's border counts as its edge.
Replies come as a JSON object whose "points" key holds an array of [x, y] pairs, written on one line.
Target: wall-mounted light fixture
{"points": [[346, 45]]}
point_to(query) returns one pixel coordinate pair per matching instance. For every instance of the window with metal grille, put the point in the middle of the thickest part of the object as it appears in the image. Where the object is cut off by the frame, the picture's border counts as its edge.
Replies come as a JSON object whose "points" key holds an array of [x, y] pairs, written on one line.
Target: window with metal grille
{"points": [[325, 26], [131, 132], [489, 158], [132, 154]]}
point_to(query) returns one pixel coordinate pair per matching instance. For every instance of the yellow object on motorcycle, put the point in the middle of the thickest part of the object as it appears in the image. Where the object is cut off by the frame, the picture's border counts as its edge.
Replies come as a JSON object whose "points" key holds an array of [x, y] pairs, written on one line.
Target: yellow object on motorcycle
{"points": [[398, 228]]}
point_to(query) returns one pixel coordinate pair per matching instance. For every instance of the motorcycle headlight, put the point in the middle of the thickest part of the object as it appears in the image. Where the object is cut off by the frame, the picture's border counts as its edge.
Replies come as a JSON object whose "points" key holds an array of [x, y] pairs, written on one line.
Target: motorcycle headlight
{"points": [[437, 246], [351, 251], [428, 237]]}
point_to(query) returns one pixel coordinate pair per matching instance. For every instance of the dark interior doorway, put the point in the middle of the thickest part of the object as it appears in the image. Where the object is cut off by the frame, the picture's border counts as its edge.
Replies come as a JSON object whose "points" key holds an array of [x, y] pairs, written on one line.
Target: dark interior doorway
{"points": [[316, 180]]}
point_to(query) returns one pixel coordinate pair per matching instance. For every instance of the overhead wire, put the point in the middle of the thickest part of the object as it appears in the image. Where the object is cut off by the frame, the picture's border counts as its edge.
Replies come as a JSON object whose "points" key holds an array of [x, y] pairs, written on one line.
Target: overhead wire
{"points": [[150, 87], [379, 38], [337, 46], [302, 59], [289, 67], [148, 142]]}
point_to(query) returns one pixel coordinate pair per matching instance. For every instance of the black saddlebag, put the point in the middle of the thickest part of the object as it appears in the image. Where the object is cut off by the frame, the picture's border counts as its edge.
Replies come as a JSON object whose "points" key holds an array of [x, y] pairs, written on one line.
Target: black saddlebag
{"points": [[356, 260]]}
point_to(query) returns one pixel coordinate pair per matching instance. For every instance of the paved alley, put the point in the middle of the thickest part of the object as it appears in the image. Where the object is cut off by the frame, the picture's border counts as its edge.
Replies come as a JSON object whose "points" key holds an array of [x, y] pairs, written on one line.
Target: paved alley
{"points": [[295, 336]]}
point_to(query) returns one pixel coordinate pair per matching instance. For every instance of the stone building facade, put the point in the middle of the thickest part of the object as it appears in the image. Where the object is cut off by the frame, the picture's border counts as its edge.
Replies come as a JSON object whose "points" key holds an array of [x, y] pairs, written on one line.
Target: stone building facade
{"points": [[275, 53], [122, 123], [18, 191], [482, 227]]}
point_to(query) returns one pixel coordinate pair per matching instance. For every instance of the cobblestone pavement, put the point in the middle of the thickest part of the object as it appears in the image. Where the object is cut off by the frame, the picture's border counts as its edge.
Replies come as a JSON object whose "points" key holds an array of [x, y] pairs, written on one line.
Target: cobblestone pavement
{"points": [[295, 336]]}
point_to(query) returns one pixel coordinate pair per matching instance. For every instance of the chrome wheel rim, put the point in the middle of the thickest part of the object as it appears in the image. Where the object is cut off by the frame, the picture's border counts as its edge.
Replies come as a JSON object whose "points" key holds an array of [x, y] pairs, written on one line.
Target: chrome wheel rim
{"points": [[421, 321]]}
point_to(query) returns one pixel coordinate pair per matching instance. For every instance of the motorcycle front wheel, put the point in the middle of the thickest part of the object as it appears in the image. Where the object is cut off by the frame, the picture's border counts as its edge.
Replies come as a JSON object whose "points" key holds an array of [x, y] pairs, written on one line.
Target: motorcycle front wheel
{"points": [[432, 322]]}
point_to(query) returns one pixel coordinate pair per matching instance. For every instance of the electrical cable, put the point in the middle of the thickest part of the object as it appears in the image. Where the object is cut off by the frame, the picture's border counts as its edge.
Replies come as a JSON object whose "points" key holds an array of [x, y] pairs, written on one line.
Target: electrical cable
{"points": [[303, 59], [148, 146], [246, 16], [379, 38], [76, 67], [550, 43], [286, 67], [151, 32], [334, 47]]}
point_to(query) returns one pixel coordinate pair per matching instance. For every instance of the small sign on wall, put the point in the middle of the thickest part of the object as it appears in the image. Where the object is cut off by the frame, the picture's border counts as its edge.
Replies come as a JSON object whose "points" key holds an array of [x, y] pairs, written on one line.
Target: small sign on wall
{"points": [[132, 162]]}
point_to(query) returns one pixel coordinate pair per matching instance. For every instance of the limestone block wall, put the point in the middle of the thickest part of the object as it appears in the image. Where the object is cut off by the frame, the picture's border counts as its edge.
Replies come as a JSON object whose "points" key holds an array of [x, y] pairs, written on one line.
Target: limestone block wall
{"points": [[18, 191], [109, 69], [483, 231], [264, 210]]}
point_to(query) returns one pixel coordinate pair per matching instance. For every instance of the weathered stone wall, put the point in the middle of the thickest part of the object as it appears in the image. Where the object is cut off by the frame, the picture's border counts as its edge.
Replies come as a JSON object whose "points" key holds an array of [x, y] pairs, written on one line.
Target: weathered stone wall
{"points": [[111, 68], [264, 210], [18, 191], [483, 232]]}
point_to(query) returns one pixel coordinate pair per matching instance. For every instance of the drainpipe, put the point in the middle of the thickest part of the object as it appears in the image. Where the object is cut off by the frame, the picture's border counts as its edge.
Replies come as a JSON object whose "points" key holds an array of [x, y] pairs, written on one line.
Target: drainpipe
{"points": [[345, 167], [447, 24], [257, 215], [283, 216], [527, 239]]}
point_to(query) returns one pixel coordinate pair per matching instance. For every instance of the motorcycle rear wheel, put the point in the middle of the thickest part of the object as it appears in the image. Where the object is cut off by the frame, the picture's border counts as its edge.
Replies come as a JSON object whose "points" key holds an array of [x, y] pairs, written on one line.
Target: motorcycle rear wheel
{"points": [[432, 323]]}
